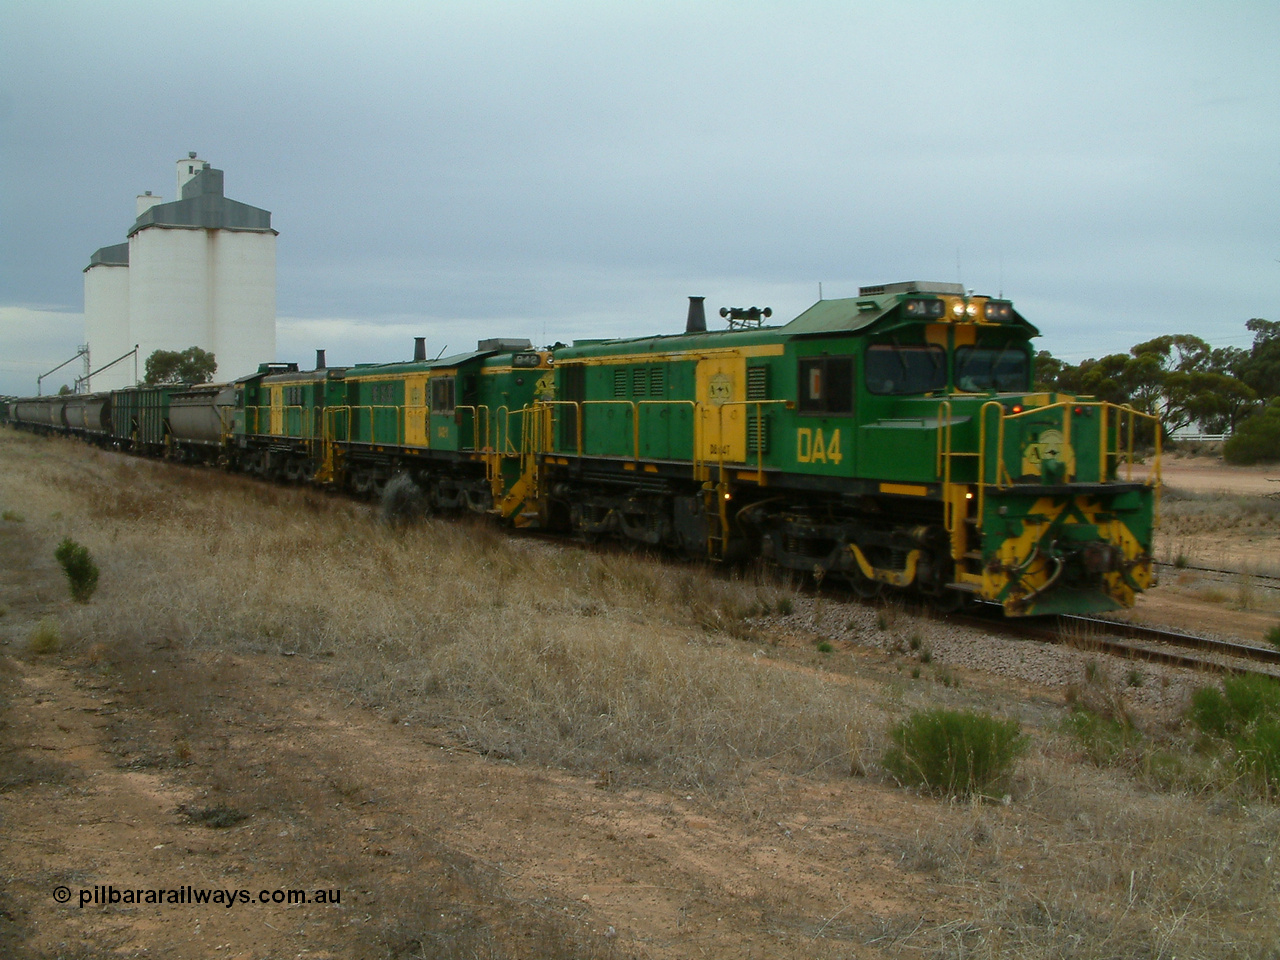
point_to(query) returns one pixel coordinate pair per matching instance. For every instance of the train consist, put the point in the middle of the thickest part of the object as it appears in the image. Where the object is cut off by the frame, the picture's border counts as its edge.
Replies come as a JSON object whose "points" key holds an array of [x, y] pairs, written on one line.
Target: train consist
{"points": [[891, 439]]}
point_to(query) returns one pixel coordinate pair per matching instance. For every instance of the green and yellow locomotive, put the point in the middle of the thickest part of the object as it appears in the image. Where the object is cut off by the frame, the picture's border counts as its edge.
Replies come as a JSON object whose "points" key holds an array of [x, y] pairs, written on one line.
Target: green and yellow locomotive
{"points": [[452, 425], [891, 439]]}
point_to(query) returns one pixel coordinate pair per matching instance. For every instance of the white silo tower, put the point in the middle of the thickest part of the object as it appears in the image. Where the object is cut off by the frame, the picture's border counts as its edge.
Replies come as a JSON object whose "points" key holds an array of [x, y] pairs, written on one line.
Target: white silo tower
{"points": [[198, 271], [203, 273], [106, 316]]}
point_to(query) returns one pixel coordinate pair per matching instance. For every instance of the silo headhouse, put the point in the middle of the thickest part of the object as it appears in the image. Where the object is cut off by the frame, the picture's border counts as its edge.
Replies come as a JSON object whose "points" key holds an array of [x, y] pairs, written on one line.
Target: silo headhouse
{"points": [[196, 271]]}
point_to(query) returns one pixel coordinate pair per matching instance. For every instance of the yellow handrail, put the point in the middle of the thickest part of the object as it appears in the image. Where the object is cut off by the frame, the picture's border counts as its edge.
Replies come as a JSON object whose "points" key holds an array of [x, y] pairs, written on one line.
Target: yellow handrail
{"points": [[759, 432], [475, 425], [944, 452]]}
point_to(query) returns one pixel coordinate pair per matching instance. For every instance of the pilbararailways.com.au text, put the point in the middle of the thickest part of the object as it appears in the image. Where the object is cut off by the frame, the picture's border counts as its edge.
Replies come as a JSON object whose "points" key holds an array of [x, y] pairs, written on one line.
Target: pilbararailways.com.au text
{"points": [[110, 895]]}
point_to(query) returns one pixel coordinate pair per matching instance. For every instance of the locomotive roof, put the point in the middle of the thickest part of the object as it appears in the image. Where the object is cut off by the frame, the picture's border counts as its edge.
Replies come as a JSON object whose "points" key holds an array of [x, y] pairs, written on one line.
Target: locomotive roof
{"points": [[848, 315], [842, 316], [670, 342], [489, 349], [851, 314]]}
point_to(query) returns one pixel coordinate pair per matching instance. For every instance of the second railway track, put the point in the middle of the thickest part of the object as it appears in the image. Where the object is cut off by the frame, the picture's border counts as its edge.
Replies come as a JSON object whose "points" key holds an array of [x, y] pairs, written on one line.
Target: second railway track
{"points": [[1141, 642]]}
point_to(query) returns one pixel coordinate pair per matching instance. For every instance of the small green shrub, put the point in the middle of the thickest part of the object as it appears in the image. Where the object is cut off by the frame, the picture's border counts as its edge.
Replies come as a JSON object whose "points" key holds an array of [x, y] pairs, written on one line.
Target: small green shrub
{"points": [[1180, 561], [45, 637], [1244, 713], [12, 516], [785, 606], [824, 647], [81, 571], [1273, 636], [1104, 738], [1259, 751], [954, 753], [1241, 701]]}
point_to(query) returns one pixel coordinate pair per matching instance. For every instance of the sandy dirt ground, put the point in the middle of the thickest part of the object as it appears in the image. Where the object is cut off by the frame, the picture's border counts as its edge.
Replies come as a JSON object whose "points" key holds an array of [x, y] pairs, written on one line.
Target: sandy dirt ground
{"points": [[172, 769], [1232, 521], [1210, 475]]}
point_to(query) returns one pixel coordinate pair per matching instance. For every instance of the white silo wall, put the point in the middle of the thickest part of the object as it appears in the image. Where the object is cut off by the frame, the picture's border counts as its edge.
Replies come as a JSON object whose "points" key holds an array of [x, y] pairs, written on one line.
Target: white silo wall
{"points": [[170, 290], [244, 300], [106, 323]]}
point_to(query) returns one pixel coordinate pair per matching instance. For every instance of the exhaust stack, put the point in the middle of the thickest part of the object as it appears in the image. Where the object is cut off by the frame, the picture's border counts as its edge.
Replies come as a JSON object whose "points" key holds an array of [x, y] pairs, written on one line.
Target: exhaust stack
{"points": [[697, 322], [319, 359], [419, 349]]}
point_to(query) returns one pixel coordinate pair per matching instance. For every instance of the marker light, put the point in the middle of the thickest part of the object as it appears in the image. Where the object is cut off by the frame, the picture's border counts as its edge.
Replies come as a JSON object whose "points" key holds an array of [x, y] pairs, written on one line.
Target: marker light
{"points": [[1016, 408], [997, 310], [969, 496]]}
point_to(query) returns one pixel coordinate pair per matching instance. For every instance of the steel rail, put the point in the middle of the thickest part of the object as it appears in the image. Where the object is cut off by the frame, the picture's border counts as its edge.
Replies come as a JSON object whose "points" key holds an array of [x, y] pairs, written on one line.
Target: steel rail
{"points": [[1230, 573], [1117, 638]]}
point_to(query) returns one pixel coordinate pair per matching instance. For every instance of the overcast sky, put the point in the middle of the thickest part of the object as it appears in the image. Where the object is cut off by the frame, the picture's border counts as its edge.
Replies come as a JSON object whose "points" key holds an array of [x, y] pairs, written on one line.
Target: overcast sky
{"points": [[557, 170]]}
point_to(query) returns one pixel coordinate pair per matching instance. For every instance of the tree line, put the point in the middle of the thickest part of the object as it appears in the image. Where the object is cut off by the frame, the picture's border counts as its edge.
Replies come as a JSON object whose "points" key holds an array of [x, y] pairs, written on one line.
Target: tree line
{"points": [[1187, 382]]}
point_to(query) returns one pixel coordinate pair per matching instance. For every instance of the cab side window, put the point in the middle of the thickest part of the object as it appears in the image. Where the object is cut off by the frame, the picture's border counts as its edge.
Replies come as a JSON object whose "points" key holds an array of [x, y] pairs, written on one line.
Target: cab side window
{"points": [[442, 395], [826, 385]]}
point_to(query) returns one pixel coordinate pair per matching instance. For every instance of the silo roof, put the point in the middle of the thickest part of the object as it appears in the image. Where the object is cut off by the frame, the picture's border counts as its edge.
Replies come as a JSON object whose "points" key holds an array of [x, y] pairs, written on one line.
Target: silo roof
{"points": [[203, 207], [116, 255]]}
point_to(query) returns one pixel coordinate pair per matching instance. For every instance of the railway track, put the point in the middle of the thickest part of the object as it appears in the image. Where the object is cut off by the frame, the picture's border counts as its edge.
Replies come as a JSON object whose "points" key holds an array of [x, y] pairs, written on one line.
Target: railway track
{"points": [[1117, 638], [1140, 642], [1265, 578]]}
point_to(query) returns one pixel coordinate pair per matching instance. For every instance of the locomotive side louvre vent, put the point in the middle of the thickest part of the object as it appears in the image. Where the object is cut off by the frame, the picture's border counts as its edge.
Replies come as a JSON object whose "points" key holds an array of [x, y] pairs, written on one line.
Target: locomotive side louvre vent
{"points": [[639, 382], [757, 434], [619, 382], [757, 383], [657, 381]]}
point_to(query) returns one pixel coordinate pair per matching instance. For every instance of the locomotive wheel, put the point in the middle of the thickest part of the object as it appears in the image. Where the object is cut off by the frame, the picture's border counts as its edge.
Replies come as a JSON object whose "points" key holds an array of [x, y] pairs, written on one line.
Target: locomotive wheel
{"points": [[864, 587]]}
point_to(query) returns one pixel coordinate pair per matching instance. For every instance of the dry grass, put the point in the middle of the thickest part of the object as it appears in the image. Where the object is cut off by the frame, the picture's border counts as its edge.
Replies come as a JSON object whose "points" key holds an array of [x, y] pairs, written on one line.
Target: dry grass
{"points": [[1136, 883], [585, 660], [638, 669], [1213, 528], [45, 637]]}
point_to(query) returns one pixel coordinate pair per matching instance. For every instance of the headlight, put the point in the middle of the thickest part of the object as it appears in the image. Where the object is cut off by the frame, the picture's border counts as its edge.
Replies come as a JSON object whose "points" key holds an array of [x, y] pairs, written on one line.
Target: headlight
{"points": [[999, 310]]}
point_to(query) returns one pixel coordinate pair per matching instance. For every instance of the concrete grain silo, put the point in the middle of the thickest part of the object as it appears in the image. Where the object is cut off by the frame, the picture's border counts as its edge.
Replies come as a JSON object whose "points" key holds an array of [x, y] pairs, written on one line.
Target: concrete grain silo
{"points": [[106, 315], [201, 272]]}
